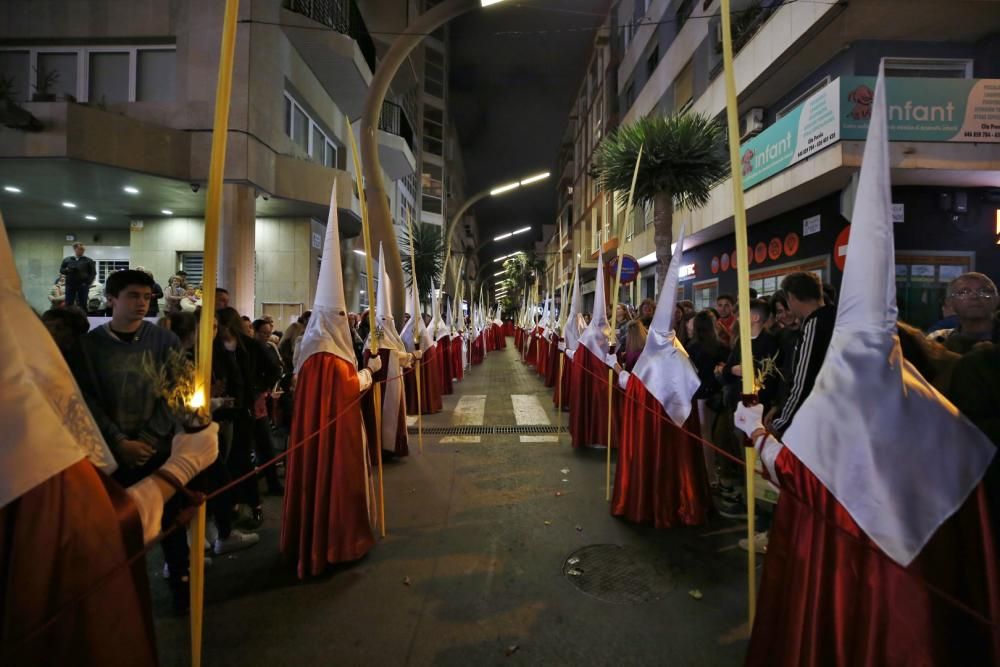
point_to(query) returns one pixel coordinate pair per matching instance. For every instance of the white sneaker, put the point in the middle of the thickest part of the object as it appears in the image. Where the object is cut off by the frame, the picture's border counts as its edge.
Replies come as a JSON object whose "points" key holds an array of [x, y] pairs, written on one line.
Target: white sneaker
{"points": [[759, 543], [237, 540]]}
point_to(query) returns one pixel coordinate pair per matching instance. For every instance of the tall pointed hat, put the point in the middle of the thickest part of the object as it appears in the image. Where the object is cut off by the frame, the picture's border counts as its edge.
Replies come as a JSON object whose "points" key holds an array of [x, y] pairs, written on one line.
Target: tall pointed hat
{"points": [[575, 324], [328, 330], [873, 428], [595, 337], [46, 424], [438, 328], [663, 366], [383, 310]]}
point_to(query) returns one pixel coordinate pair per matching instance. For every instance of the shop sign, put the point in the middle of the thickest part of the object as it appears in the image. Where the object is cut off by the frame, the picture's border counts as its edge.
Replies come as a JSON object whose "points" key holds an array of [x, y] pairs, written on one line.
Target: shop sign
{"points": [[807, 129], [687, 271], [898, 213], [925, 109], [760, 252], [774, 248], [811, 225], [715, 264], [791, 244], [840, 247], [725, 261]]}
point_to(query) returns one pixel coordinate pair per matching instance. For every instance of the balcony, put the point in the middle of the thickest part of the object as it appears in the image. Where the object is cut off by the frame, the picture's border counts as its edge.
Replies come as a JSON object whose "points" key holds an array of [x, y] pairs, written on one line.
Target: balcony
{"points": [[395, 142], [343, 57]]}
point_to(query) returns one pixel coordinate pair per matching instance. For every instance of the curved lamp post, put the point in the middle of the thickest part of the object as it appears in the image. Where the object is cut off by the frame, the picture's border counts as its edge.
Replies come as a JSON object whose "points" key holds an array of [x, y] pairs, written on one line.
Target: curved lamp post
{"points": [[379, 216]]}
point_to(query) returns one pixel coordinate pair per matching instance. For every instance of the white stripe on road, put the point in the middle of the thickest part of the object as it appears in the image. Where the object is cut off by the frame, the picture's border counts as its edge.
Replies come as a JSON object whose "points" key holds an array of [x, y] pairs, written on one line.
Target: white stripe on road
{"points": [[470, 411], [528, 411]]}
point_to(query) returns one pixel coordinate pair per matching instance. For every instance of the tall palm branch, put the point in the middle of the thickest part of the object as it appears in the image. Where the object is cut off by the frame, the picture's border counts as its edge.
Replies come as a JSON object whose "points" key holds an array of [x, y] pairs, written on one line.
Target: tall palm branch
{"points": [[684, 157]]}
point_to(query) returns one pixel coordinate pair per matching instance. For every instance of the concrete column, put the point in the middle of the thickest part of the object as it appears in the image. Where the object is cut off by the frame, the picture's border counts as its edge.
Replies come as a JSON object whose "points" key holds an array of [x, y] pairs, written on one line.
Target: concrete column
{"points": [[236, 246]]}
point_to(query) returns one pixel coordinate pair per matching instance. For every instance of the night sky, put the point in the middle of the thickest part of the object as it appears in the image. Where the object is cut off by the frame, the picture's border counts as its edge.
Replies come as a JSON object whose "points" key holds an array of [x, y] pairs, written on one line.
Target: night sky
{"points": [[510, 99]]}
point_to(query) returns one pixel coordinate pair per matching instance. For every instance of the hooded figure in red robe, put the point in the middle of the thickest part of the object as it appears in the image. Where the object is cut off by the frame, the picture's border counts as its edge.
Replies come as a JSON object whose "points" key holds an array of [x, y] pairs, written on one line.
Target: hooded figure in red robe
{"points": [[442, 338], [882, 512], [588, 419], [418, 341], [64, 523], [329, 500], [661, 477], [573, 327]]}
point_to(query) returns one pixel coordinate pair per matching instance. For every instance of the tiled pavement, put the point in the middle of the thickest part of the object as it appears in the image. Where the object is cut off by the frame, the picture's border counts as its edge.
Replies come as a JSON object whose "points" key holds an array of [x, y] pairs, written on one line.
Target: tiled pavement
{"points": [[479, 529]]}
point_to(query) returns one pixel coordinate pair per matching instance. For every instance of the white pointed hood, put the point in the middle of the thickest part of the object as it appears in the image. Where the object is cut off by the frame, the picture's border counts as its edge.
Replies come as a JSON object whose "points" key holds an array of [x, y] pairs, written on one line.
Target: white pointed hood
{"points": [[873, 428], [575, 324], [46, 424], [595, 336], [414, 333], [664, 367], [328, 330], [438, 328], [390, 338]]}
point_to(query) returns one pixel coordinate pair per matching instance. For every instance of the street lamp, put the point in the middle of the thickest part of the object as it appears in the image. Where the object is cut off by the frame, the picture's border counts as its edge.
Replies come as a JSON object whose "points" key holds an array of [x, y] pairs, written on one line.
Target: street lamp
{"points": [[479, 196], [509, 234]]}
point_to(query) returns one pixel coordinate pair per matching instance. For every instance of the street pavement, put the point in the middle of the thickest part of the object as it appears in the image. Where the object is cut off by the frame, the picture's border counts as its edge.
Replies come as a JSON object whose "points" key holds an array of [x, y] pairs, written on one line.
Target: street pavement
{"points": [[474, 568]]}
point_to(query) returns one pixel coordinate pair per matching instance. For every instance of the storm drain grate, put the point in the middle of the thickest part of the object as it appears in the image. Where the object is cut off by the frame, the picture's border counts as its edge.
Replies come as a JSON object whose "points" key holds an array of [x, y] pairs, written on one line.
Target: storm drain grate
{"points": [[485, 430], [617, 574]]}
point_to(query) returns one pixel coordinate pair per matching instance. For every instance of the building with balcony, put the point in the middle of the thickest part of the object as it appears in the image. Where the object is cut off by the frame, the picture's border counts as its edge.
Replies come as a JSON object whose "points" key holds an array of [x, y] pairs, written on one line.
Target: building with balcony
{"points": [[109, 128], [812, 65]]}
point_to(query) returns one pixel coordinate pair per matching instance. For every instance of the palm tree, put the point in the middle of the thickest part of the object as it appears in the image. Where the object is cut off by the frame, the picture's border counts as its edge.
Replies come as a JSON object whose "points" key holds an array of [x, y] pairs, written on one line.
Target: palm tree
{"points": [[428, 253], [522, 270], [684, 157]]}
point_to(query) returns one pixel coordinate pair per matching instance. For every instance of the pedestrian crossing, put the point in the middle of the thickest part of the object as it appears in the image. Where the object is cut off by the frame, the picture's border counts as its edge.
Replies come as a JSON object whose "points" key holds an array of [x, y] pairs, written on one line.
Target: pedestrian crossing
{"points": [[470, 411], [528, 411]]}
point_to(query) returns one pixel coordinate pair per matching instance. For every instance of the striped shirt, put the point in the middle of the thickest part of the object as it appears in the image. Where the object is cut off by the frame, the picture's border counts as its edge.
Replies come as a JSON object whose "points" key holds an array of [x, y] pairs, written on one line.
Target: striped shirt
{"points": [[817, 330]]}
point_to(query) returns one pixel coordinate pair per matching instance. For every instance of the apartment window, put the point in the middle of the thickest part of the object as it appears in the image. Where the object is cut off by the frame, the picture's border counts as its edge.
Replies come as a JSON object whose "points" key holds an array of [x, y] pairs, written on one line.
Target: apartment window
{"points": [[309, 135], [109, 77], [652, 61], [630, 95], [432, 181], [683, 13], [99, 74], [156, 73], [684, 88], [935, 68], [434, 73], [433, 130], [813, 89]]}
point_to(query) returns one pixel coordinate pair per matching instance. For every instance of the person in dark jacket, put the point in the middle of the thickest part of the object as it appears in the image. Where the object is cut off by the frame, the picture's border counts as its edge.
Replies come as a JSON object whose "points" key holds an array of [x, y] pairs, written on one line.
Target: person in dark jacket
{"points": [[268, 367], [706, 352], [80, 272]]}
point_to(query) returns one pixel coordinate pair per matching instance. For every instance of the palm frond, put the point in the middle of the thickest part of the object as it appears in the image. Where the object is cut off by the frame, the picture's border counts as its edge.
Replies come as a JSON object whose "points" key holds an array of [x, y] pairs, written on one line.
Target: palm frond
{"points": [[683, 154], [428, 254]]}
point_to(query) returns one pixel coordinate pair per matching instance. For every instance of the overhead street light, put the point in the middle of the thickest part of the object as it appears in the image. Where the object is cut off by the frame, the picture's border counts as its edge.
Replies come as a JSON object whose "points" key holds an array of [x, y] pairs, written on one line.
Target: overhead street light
{"points": [[499, 273], [505, 188], [513, 233]]}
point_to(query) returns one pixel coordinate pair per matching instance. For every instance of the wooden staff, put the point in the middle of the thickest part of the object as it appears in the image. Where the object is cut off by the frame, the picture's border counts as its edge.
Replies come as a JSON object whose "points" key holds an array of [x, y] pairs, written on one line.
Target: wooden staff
{"points": [[416, 340], [614, 307], [743, 275], [203, 386], [372, 322]]}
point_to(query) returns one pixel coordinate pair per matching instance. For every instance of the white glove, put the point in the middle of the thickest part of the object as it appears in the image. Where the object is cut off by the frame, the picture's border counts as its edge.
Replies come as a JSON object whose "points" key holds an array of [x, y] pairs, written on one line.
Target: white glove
{"points": [[562, 346], [750, 419], [375, 364], [611, 360], [623, 379], [191, 453]]}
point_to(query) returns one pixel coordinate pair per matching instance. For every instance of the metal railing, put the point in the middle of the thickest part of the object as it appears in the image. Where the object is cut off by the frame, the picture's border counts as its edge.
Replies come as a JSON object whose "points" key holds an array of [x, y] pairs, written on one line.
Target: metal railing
{"points": [[394, 121], [344, 17]]}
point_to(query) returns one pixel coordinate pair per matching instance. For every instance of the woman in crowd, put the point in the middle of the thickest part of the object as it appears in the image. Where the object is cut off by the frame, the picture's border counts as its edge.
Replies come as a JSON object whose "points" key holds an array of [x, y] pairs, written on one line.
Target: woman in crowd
{"points": [[635, 340], [707, 352]]}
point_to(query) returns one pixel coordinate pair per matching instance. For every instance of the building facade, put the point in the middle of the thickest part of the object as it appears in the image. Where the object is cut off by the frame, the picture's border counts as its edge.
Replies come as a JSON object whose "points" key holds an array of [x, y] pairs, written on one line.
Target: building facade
{"points": [[804, 73], [109, 132]]}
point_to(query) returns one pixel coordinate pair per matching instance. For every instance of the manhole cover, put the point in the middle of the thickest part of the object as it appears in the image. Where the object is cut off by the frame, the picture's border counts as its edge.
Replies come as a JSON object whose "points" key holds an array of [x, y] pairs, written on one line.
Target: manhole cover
{"points": [[617, 574]]}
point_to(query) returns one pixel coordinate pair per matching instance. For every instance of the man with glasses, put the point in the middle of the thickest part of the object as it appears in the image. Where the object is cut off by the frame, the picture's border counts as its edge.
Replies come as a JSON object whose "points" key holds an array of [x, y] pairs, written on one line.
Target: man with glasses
{"points": [[973, 298]]}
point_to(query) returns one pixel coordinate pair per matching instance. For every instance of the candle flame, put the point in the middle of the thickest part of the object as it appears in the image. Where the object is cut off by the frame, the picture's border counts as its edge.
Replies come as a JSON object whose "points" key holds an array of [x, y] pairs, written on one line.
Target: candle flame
{"points": [[197, 399]]}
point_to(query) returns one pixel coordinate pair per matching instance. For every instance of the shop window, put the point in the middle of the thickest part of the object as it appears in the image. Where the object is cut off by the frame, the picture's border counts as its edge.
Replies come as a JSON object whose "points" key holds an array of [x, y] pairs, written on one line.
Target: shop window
{"points": [[705, 293], [768, 281], [922, 283], [109, 78]]}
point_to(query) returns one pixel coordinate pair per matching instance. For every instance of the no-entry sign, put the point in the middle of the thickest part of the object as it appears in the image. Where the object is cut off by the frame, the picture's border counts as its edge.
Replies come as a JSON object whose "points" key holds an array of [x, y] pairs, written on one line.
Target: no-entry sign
{"points": [[840, 247]]}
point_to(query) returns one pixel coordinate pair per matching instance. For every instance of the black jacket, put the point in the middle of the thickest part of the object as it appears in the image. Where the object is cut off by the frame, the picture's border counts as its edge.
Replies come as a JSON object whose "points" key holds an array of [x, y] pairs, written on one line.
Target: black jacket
{"points": [[78, 270], [763, 346], [817, 330]]}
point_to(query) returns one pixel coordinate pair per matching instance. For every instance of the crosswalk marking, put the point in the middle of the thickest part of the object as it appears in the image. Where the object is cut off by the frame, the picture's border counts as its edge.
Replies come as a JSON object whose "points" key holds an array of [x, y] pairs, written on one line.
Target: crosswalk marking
{"points": [[470, 411], [528, 411]]}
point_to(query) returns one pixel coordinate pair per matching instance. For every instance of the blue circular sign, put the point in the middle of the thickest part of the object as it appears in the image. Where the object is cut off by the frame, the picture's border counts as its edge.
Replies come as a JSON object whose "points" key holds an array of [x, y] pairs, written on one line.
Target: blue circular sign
{"points": [[630, 268]]}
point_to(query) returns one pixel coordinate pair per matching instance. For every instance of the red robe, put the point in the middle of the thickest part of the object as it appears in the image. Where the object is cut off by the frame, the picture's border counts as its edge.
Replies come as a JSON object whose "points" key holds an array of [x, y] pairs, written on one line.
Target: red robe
{"points": [[518, 338], [561, 394], [56, 541], [542, 356], [430, 385], [502, 337], [457, 362], [588, 419], [399, 447], [660, 477], [829, 596], [508, 328], [552, 364], [444, 358], [531, 356], [326, 518], [479, 349]]}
